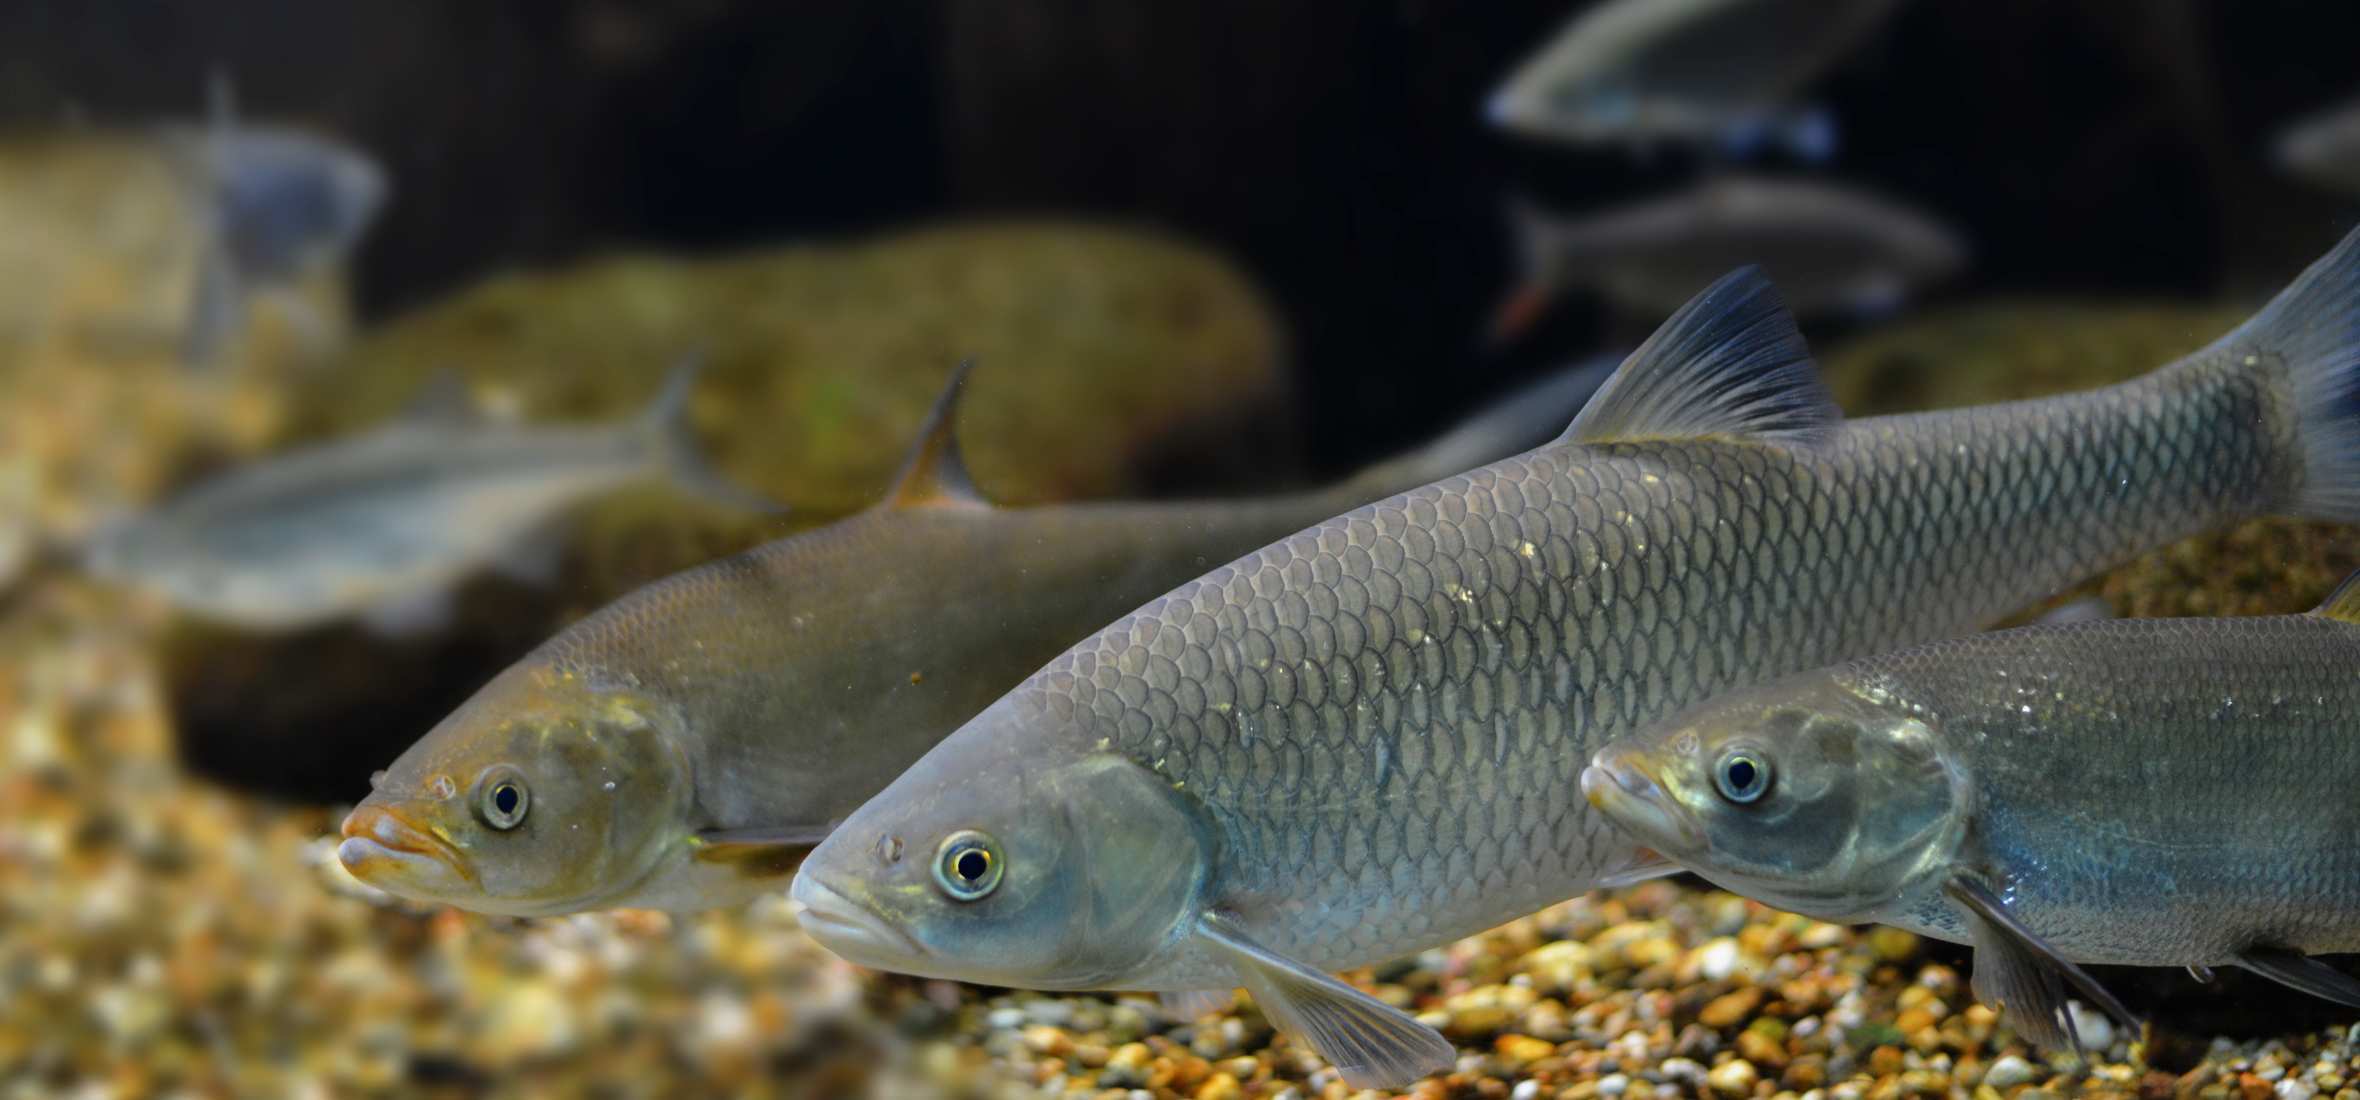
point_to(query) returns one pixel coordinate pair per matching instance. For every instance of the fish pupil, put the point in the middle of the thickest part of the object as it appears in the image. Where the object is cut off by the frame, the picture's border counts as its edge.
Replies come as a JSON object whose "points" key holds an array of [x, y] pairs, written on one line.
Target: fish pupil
{"points": [[504, 799], [1741, 773], [972, 864]]}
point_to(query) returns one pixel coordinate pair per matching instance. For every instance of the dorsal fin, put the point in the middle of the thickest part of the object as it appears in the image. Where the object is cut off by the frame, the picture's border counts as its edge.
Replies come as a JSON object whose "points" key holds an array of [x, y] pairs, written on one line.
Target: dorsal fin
{"points": [[935, 473], [2344, 602], [1730, 363]]}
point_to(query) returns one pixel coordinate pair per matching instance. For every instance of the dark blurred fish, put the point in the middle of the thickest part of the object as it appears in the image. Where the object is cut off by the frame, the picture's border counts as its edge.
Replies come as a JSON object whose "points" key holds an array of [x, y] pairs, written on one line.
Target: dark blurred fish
{"points": [[2324, 149], [2144, 792], [683, 746], [1830, 248], [279, 205], [1717, 72], [384, 525], [1363, 740]]}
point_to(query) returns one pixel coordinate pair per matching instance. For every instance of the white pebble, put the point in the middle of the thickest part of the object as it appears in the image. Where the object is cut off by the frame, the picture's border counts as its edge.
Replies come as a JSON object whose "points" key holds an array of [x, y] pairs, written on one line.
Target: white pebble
{"points": [[1528, 1089], [2097, 1032], [1613, 1084], [1719, 959], [2296, 1089], [2008, 1072]]}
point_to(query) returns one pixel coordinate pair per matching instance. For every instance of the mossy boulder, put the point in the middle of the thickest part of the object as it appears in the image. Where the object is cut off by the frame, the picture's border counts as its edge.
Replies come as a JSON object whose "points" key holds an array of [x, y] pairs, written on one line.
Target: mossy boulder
{"points": [[2007, 351], [1103, 354]]}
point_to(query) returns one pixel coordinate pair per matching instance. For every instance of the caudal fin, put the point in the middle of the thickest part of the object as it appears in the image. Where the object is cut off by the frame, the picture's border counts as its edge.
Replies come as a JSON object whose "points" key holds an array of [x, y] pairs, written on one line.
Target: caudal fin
{"points": [[681, 457], [2311, 333]]}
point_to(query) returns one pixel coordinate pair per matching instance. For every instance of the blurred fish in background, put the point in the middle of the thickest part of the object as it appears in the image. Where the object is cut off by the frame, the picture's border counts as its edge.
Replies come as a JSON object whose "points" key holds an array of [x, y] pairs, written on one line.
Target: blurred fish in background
{"points": [[1721, 74], [383, 525], [278, 204], [2323, 149], [1832, 249]]}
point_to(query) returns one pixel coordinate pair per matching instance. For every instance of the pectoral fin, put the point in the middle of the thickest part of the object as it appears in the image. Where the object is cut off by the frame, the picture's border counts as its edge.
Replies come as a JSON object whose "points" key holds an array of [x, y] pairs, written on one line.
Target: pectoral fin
{"points": [[1373, 1044], [2023, 976], [1190, 1005], [2298, 971], [1643, 864], [758, 852]]}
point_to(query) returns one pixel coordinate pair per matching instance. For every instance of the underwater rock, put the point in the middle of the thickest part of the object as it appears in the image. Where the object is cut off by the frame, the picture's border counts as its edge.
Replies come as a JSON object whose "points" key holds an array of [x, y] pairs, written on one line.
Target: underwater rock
{"points": [[1103, 354], [2009, 351]]}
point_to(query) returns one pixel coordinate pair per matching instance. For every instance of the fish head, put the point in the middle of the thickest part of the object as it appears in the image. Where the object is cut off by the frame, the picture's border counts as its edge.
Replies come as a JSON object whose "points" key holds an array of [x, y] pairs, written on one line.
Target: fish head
{"points": [[1011, 855], [545, 793], [1815, 794]]}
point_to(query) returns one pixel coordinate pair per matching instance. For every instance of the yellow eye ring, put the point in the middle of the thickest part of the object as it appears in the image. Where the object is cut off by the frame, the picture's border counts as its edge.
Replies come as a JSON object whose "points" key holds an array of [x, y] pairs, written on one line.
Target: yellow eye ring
{"points": [[1742, 776], [967, 866]]}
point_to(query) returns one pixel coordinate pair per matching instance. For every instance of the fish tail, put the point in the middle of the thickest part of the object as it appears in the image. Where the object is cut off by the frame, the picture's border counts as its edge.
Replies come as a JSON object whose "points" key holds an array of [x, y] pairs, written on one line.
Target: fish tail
{"points": [[1526, 418], [2308, 341], [681, 457]]}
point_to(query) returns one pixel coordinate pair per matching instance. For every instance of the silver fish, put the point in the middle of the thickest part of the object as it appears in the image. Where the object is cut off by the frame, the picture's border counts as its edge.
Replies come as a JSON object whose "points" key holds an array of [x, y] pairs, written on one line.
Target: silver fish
{"points": [[2323, 149], [279, 204], [1364, 739], [683, 746], [1831, 249], [1715, 72], [385, 524], [2134, 791]]}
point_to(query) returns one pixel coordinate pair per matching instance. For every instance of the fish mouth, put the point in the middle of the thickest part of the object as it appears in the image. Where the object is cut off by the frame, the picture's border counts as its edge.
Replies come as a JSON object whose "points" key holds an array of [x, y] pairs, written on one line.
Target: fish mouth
{"points": [[855, 931], [1620, 785], [379, 843]]}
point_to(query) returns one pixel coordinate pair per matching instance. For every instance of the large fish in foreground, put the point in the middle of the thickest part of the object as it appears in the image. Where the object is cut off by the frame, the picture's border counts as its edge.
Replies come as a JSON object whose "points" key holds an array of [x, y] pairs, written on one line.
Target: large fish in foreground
{"points": [[2151, 792], [682, 747], [1365, 739], [384, 525]]}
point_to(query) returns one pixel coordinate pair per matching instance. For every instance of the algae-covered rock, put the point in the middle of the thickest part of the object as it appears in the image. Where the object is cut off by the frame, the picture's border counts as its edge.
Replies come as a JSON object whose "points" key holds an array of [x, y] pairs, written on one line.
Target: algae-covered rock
{"points": [[1099, 350], [1102, 353], [2008, 351]]}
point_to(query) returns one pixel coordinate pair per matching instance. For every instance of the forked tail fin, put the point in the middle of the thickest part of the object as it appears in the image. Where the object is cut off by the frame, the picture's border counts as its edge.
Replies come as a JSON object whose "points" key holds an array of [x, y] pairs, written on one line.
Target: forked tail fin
{"points": [[2310, 335]]}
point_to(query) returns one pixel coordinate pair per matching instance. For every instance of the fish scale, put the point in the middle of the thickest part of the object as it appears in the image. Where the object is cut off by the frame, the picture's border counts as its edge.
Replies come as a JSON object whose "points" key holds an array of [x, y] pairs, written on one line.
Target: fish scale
{"points": [[2041, 719], [1432, 755]]}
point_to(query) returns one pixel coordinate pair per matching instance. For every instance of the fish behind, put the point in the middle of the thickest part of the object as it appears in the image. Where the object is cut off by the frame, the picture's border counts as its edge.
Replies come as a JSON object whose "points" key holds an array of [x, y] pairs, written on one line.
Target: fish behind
{"points": [[1720, 73], [278, 204], [385, 525], [682, 747], [2149, 792], [1364, 739], [1830, 249]]}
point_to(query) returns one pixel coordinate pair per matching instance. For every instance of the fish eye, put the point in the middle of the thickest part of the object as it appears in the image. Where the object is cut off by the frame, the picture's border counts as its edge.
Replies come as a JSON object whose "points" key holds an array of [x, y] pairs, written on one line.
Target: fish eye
{"points": [[1742, 777], [502, 799], [967, 866]]}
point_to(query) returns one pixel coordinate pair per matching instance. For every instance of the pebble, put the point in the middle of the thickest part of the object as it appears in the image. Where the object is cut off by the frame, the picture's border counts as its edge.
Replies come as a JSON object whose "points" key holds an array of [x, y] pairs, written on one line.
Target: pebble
{"points": [[1730, 1009], [2009, 1072], [1735, 1077]]}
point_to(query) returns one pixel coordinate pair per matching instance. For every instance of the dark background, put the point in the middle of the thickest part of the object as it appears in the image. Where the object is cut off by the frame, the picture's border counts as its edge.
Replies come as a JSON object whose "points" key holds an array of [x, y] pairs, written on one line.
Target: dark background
{"points": [[1332, 146]]}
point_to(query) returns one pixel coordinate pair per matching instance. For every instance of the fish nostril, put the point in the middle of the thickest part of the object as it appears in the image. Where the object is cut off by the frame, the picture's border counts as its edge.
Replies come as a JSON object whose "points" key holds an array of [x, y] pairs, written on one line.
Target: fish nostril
{"points": [[889, 849]]}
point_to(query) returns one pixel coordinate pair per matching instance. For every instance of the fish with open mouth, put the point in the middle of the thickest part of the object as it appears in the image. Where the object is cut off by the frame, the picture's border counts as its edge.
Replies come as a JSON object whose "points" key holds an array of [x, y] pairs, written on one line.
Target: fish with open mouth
{"points": [[1363, 740]]}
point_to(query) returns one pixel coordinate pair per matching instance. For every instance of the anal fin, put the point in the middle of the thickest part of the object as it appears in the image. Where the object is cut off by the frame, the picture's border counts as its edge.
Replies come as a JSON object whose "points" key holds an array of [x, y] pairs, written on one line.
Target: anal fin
{"points": [[2298, 971], [2024, 977], [1371, 1043]]}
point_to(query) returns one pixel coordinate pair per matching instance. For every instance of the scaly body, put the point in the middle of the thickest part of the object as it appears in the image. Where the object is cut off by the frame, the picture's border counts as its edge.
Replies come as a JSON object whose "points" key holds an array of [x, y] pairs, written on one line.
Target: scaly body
{"points": [[793, 681], [1362, 740]]}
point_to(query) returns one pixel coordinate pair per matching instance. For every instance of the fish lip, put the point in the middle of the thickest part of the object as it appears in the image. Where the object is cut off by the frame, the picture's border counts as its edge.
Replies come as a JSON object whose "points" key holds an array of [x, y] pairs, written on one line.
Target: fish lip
{"points": [[374, 830], [1622, 787], [846, 926]]}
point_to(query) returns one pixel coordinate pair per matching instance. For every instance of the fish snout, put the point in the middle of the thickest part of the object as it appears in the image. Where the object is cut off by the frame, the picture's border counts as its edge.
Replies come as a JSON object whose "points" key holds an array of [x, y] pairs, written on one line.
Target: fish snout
{"points": [[1619, 784], [379, 841], [854, 931]]}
